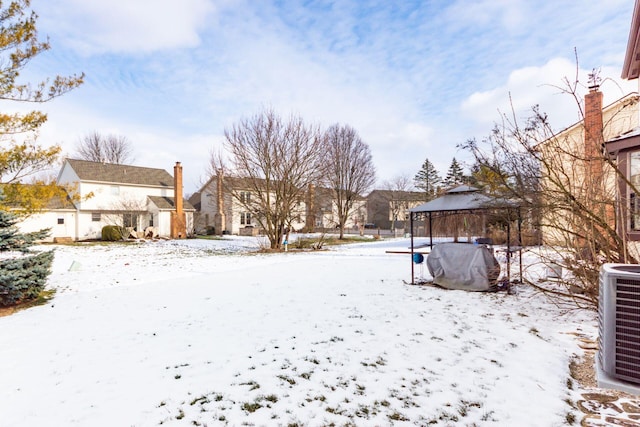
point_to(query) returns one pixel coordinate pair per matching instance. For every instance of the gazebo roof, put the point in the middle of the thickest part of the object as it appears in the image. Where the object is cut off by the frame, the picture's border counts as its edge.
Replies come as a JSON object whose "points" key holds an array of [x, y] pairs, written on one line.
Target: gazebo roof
{"points": [[462, 198]]}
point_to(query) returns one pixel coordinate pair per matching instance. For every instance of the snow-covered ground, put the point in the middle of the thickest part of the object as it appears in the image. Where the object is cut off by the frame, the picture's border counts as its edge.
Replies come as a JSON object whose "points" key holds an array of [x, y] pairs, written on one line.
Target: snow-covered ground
{"points": [[206, 332]]}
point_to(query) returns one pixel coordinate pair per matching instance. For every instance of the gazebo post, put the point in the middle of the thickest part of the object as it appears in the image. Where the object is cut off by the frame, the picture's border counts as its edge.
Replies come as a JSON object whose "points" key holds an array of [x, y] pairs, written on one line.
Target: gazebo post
{"points": [[520, 240], [430, 234], [411, 231], [508, 251]]}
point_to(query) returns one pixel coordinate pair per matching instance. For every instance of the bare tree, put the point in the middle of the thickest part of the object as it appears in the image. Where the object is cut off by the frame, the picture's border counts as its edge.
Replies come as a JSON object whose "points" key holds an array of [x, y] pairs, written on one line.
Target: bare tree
{"points": [[105, 149], [271, 164], [349, 170], [128, 213]]}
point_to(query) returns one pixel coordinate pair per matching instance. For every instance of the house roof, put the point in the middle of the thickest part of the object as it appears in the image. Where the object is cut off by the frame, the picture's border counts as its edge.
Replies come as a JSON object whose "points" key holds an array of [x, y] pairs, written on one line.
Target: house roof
{"points": [[398, 195], [631, 66], [196, 200], [168, 203], [324, 193], [612, 110], [248, 184], [60, 203], [462, 198], [121, 174]]}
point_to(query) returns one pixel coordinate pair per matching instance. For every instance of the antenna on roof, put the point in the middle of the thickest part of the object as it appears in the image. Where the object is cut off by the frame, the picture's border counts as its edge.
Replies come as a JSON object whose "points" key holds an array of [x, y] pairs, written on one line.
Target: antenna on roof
{"points": [[594, 79]]}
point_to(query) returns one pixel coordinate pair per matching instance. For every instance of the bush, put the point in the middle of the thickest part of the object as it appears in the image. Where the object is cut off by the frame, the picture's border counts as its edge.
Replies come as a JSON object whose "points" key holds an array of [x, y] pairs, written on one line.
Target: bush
{"points": [[111, 233], [23, 278], [23, 274]]}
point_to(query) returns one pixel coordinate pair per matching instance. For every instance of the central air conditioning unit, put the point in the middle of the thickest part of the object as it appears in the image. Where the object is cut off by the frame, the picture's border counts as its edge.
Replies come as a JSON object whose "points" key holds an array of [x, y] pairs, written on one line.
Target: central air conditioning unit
{"points": [[618, 360]]}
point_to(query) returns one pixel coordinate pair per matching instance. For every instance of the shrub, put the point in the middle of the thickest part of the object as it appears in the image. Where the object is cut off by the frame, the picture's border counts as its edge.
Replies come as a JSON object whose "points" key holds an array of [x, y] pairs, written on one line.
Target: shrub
{"points": [[111, 233]]}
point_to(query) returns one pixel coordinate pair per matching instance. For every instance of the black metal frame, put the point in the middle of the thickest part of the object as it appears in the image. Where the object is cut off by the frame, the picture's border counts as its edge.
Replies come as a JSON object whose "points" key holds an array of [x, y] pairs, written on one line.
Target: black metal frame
{"points": [[413, 216]]}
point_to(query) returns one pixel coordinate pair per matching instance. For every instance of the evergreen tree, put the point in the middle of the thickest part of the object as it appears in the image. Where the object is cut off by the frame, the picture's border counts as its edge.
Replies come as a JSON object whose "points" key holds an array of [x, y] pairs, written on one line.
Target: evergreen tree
{"points": [[428, 180], [455, 175], [492, 179], [22, 273]]}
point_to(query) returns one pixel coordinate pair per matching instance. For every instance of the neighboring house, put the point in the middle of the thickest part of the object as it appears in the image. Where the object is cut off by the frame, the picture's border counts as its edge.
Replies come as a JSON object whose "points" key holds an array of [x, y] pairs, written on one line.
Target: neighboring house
{"points": [[322, 210], [231, 206], [130, 196], [199, 222], [389, 209]]}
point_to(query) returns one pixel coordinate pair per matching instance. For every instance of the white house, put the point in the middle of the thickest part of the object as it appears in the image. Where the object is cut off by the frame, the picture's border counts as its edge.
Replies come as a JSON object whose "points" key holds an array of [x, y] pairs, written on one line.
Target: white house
{"points": [[112, 194]]}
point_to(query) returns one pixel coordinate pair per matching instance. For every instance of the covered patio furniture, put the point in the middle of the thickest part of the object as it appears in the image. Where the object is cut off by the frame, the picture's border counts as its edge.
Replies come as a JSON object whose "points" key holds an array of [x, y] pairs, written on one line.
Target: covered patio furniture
{"points": [[467, 200]]}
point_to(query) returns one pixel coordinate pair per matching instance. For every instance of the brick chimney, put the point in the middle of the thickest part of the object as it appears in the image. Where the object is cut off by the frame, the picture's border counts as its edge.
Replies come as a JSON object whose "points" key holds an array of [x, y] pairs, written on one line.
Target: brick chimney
{"points": [[219, 218], [178, 217], [593, 130], [594, 151]]}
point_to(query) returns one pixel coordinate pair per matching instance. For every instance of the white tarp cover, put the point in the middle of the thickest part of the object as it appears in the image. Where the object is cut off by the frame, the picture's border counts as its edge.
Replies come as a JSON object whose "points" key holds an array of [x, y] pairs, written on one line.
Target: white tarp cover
{"points": [[463, 266]]}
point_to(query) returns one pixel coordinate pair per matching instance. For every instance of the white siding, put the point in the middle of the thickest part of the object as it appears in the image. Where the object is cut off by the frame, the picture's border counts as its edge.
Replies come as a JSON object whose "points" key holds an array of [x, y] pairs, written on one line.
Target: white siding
{"points": [[128, 197], [164, 223], [49, 219]]}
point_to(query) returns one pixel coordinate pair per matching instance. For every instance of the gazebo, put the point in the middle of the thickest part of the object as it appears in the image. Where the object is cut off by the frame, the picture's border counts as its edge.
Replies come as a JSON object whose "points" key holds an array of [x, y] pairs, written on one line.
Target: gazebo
{"points": [[464, 200]]}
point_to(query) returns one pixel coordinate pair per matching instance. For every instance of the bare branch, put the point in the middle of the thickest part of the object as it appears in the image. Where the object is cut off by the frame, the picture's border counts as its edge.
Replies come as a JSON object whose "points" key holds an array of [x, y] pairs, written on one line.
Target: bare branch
{"points": [[115, 149]]}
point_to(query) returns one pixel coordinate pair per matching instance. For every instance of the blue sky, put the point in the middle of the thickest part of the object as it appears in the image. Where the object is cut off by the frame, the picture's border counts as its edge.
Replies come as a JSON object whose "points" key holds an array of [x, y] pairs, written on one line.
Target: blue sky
{"points": [[414, 78]]}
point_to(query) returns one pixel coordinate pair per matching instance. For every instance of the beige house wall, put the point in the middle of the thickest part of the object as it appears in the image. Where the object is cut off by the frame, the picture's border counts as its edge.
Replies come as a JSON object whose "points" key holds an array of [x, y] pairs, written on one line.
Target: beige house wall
{"points": [[326, 216], [233, 209], [565, 165]]}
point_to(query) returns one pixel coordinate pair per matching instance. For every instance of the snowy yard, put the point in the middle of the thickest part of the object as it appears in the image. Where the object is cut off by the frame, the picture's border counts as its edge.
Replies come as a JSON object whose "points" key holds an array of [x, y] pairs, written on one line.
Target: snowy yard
{"points": [[201, 332]]}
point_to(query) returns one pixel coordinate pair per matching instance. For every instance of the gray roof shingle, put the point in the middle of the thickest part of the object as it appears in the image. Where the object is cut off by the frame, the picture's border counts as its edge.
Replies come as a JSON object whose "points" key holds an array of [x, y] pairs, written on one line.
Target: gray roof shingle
{"points": [[121, 174], [168, 203]]}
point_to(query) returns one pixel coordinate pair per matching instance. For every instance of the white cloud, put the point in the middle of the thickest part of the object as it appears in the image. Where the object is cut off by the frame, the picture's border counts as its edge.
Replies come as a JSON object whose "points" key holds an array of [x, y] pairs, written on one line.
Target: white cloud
{"points": [[127, 26], [511, 14], [541, 86]]}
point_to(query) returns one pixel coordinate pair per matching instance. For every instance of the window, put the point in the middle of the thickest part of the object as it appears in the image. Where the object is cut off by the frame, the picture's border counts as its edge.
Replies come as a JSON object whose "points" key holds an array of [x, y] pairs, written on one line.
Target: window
{"points": [[245, 218], [95, 216], [245, 197], [634, 201], [130, 220], [60, 220]]}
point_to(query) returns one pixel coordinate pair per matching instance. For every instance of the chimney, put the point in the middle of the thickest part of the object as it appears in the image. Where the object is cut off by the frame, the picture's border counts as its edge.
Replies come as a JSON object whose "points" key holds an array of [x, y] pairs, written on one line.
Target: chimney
{"points": [[219, 218], [593, 127], [177, 187], [594, 151], [178, 217]]}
